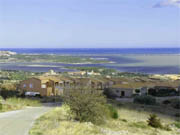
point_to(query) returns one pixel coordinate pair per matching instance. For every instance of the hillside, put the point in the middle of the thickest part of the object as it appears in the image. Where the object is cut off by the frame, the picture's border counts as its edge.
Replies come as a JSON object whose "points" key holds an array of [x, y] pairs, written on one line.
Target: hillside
{"points": [[130, 122]]}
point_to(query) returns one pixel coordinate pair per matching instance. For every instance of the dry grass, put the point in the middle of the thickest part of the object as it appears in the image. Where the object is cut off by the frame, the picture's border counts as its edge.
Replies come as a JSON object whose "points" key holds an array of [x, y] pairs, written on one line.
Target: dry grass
{"points": [[131, 122], [7, 107], [11, 104], [23, 102]]}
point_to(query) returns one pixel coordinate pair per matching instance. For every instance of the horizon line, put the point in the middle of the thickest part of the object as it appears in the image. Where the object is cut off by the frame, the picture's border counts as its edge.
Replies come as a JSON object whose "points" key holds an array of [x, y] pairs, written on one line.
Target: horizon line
{"points": [[98, 48]]}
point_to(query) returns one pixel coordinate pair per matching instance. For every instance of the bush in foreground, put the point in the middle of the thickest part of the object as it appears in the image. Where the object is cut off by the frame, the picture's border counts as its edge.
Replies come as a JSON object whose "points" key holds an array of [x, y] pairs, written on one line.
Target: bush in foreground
{"points": [[113, 112], [148, 100], [1, 106], [86, 105], [177, 124], [154, 121]]}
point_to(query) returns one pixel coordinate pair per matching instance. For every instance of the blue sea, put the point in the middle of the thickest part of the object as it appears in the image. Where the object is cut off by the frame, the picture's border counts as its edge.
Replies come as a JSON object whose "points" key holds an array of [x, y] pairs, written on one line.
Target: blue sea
{"points": [[76, 51], [112, 54]]}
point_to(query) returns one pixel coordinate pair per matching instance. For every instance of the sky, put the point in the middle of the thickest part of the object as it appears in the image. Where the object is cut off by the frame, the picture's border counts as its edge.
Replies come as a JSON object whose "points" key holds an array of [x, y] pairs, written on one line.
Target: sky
{"points": [[89, 23]]}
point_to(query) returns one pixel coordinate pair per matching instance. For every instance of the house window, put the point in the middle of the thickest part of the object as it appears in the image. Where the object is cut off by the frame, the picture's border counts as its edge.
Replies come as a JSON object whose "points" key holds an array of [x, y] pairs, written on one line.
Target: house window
{"points": [[43, 86], [122, 93], [24, 85], [30, 85]]}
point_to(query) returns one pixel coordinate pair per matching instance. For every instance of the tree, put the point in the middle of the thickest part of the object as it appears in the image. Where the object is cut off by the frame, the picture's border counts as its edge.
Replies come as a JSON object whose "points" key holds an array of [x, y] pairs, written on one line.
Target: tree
{"points": [[86, 105], [154, 121]]}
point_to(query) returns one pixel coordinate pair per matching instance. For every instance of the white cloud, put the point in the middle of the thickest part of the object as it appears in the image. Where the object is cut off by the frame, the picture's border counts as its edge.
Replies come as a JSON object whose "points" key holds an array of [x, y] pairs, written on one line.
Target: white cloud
{"points": [[165, 3]]}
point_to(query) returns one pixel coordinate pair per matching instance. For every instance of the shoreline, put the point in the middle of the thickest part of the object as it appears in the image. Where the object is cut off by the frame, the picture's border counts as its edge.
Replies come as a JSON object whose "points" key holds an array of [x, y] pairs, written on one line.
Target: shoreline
{"points": [[74, 70], [151, 64]]}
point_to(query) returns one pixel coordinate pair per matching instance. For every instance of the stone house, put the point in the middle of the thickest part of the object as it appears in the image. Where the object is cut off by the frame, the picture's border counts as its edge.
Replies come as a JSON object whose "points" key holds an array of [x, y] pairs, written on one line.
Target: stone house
{"points": [[121, 90]]}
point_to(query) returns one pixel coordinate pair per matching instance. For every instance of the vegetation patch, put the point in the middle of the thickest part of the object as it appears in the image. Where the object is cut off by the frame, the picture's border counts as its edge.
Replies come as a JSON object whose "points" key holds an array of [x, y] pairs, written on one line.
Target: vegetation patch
{"points": [[57, 122], [177, 124], [87, 105], [154, 121], [148, 100], [53, 58], [140, 124], [113, 111], [8, 107], [11, 104], [23, 102], [8, 93], [175, 103]]}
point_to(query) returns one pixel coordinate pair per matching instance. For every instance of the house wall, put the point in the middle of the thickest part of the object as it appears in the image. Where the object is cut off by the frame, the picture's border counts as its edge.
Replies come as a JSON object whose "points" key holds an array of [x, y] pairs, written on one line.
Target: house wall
{"points": [[51, 88], [49, 91], [36, 86], [127, 92]]}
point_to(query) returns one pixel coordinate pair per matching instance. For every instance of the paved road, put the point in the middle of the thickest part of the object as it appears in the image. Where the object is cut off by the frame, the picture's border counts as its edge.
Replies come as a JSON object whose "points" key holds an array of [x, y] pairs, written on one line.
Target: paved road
{"points": [[19, 122]]}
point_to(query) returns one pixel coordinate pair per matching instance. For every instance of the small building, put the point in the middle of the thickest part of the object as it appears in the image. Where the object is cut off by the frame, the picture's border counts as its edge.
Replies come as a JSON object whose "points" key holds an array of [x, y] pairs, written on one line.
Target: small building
{"points": [[50, 73], [121, 91], [93, 73], [46, 86], [78, 73]]}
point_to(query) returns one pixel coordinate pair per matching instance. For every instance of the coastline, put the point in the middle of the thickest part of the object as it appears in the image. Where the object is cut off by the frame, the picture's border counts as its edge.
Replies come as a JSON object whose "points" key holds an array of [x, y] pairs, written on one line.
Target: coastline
{"points": [[142, 63]]}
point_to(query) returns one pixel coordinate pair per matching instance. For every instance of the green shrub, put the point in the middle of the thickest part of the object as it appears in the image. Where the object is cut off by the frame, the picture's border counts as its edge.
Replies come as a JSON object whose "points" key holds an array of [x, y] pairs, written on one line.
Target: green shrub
{"points": [[113, 112], [1, 106], [154, 121], [148, 100], [166, 102], [8, 93], [176, 103], [124, 120], [177, 124], [86, 105], [177, 114]]}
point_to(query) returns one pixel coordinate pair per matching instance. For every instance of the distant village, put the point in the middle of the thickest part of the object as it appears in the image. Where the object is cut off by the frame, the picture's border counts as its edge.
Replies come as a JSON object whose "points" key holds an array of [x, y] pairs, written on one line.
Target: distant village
{"points": [[55, 84]]}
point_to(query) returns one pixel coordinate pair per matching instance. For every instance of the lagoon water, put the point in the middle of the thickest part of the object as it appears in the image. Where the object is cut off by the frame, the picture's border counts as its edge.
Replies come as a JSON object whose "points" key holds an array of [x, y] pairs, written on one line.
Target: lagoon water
{"points": [[141, 60]]}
